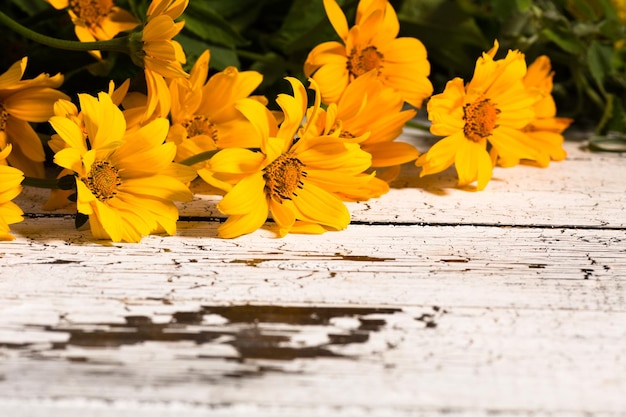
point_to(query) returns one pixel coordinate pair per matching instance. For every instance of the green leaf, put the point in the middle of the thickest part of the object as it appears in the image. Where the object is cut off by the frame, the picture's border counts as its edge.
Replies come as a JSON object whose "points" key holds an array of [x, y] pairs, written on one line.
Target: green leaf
{"points": [[612, 142], [566, 41], [221, 57], [208, 25], [305, 26], [599, 59], [452, 37], [584, 9], [613, 119], [523, 5]]}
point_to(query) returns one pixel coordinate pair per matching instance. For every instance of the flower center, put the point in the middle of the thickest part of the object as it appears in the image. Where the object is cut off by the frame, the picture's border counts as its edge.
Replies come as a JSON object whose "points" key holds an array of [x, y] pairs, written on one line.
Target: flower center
{"points": [[103, 180], [283, 177], [90, 12], [200, 125], [360, 62], [4, 116], [480, 119]]}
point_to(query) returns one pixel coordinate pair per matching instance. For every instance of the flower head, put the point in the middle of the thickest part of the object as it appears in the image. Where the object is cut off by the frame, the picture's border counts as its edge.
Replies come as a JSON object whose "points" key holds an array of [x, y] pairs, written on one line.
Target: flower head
{"points": [[126, 181], [372, 115], [21, 102], [204, 115], [370, 45], [298, 182], [493, 108], [96, 20], [10, 187], [545, 131], [160, 56]]}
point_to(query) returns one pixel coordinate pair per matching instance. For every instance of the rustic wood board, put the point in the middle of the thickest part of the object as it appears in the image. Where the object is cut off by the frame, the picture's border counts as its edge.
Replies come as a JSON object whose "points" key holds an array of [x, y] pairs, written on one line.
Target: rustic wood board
{"points": [[435, 301]]}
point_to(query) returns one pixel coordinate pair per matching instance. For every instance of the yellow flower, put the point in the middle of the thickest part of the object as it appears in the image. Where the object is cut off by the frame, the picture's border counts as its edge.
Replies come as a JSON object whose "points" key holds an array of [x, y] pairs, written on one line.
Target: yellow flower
{"points": [[171, 8], [10, 187], [297, 181], [371, 44], [370, 114], [494, 107], [545, 131], [162, 57], [203, 114], [21, 102], [126, 181], [60, 198], [96, 20]]}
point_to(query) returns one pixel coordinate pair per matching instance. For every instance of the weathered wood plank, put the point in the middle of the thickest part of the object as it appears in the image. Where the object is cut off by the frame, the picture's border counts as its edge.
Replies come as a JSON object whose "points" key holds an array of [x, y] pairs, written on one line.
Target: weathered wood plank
{"points": [[587, 189], [477, 320], [469, 361], [434, 301], [401, 265]]}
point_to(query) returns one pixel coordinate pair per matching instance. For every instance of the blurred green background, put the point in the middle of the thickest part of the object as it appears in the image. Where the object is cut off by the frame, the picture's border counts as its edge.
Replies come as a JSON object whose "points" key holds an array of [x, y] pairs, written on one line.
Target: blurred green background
{"points": [[583, 38]]}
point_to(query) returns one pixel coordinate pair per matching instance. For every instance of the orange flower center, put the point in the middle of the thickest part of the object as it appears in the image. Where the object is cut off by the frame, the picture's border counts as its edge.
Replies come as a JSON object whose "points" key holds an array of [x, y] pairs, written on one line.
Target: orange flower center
{"points": [[365, 60], [4, 116], [91, 12], [103, 180], [283, 178], [200, 125], [480, 118]]}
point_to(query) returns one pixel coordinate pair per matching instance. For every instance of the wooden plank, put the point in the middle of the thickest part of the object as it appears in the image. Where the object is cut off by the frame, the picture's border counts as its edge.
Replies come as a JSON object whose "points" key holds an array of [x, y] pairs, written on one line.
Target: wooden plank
{"points": [[585, 190], [437, 319], [434, 301], [390, 265]]}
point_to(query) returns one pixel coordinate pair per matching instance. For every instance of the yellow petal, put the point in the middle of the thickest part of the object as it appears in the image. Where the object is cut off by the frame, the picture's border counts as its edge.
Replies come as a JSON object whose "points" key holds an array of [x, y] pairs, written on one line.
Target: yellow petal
{"points": [[337, 18], [13, 75], [69, 131], [245, 197], [318, 206], [33, 104]]}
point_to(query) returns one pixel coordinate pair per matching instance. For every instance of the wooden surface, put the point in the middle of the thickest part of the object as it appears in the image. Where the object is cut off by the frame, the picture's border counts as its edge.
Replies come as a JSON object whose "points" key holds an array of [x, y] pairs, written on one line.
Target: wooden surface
{"points": [[435, 302]]}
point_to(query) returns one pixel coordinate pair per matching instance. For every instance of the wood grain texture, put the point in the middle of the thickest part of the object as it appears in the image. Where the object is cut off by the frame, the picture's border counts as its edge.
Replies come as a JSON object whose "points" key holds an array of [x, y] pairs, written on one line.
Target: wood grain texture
{"points": [[435, 301]]}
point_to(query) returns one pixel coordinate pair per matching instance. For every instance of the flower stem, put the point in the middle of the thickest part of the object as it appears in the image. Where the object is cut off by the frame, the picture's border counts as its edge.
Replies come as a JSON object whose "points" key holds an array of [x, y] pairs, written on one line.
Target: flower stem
{"points": [[117, 45], [51, 184], [201, 157], [416, 125]]}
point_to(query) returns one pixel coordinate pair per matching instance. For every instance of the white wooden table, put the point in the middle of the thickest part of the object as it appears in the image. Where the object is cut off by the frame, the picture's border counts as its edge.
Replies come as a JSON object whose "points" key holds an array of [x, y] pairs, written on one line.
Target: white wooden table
{"points": [[434, 302]]}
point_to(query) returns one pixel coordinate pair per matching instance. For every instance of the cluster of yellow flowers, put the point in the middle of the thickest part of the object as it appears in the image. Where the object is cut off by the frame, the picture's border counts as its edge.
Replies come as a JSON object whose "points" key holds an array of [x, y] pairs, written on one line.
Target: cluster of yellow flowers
{"points": [[127, 157]]}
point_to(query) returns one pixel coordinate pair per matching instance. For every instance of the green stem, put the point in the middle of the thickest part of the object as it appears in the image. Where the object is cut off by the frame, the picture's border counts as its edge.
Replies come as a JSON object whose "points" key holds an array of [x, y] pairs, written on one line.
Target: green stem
{"points": [[51, 184], [117, 45], [201, 157], [416, 125]]}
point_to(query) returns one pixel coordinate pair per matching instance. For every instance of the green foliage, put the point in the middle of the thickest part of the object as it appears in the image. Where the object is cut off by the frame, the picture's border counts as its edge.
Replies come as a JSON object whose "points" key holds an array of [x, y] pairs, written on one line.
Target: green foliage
{"points": [[584, 39]]}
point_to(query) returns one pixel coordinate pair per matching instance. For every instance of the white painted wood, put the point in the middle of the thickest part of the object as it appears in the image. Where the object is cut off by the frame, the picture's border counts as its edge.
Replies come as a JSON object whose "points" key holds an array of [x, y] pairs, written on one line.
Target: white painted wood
{"points": [[587, 189], [509, 301]]}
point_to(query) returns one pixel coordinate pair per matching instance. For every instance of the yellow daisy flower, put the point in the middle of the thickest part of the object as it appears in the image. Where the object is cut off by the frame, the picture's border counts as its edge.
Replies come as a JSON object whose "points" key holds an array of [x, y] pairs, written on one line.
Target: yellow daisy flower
{"points": [[126, 182], [545, 130], [371, 44], [63, 108], [10, 187], [297, 181], [203, 113], [160, 55], [370, 114], [493, 108], [21, 102], [96, 20]]}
